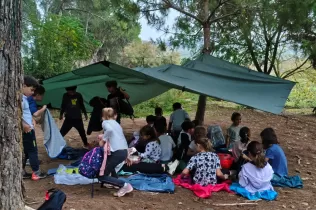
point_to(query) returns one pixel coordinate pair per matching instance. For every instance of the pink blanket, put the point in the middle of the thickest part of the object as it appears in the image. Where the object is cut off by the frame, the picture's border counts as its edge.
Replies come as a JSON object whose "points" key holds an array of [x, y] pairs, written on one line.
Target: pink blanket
{"points": [[200, 191]]}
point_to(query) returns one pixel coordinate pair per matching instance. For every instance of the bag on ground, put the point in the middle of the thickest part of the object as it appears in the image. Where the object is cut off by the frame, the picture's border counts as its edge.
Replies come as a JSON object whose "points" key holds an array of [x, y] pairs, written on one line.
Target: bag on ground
{"points": [[215, 134], [91, 163], [54, 200]]}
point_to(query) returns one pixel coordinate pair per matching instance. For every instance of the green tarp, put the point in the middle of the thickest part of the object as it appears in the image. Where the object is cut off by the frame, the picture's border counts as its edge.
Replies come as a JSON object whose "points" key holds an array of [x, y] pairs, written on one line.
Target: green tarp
{"points": [[206, 75]]}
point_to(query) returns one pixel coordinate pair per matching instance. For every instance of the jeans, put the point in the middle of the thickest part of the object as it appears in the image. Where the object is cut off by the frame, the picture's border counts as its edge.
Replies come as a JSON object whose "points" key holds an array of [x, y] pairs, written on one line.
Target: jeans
{"points": [[30, 150], [112, 161], [78, 124]]}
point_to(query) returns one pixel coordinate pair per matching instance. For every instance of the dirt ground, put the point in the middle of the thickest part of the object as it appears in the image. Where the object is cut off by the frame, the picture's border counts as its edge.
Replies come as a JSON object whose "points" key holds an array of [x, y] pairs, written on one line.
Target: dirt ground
{"points": [[295, 132]]}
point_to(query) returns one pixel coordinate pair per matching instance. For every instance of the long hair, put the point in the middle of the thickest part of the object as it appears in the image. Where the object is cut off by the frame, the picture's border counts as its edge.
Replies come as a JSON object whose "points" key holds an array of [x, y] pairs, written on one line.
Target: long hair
{"points": [[199, 132], [256, 151], [147, 130], [268, 137], [205, 143], [244, 135]]}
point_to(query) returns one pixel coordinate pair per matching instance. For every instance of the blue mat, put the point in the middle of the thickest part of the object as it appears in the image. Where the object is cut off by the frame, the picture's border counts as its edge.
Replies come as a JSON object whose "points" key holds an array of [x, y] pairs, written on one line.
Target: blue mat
{"points": [[153, 182], [287, 181], [269, 195]]}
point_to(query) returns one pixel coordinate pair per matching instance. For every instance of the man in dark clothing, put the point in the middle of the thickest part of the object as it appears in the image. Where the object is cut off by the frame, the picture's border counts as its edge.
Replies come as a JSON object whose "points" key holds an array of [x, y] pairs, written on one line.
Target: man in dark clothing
{"points": [[115, 94], [160, 120], [71, 107]]}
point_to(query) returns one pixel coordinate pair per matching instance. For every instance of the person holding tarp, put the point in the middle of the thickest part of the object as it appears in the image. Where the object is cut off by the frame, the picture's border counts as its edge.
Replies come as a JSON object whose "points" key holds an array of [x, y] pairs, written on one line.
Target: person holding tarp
{"points": [[116, 97]]}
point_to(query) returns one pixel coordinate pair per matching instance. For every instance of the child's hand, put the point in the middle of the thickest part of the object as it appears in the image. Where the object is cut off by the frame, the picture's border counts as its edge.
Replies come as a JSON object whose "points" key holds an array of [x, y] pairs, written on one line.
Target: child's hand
{"points": [[128, 162], [26, 128], [226, 176], [44, 107], [101, 143]]}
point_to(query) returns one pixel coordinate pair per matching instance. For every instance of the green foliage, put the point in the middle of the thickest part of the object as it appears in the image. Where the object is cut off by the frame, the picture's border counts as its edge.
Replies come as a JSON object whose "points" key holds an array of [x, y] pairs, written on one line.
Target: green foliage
{"points": [[58, 42], [146, 54]]}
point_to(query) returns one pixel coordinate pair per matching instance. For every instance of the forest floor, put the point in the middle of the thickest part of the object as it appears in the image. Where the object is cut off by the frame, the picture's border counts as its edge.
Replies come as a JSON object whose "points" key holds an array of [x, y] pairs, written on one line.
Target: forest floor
{"points": [[297, 136]]}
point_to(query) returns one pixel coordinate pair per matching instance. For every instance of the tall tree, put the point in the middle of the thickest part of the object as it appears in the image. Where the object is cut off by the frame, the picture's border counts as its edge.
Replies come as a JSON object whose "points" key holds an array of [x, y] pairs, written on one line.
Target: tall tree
{"points": [[10, 103], [194, 22]]}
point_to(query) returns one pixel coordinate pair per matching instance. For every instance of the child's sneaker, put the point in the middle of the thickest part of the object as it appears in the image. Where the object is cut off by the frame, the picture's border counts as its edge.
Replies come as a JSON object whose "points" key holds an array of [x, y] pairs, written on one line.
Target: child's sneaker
{"points": [[173, 166], [127, 188], [38, 175]]}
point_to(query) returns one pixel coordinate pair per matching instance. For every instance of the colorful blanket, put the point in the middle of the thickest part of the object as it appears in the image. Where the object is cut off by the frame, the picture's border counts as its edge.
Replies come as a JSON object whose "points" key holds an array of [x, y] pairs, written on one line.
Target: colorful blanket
{"points": [[201, 191], [269, 195]]}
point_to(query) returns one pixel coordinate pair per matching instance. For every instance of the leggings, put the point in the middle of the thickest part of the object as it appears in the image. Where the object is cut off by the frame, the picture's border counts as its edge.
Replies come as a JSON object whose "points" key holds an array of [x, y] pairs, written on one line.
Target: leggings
{"points": [[146, 168]]}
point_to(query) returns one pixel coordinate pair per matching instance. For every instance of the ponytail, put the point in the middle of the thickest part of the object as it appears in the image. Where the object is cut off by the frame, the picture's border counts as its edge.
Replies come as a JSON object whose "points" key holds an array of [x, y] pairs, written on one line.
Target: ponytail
{"points": [[205, 143], [255, 149]]}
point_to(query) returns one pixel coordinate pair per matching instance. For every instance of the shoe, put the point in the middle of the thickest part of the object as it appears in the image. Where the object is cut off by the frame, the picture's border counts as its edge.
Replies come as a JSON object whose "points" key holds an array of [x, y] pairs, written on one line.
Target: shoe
{"points": [[38, 175], [127, 188], [26, 175], [173, 166], [109, 186], [28, 162]]}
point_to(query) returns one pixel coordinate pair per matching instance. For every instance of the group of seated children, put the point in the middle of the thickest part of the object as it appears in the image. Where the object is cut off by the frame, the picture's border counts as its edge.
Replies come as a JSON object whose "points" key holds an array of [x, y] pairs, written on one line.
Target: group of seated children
{"points": [[153, 151]]}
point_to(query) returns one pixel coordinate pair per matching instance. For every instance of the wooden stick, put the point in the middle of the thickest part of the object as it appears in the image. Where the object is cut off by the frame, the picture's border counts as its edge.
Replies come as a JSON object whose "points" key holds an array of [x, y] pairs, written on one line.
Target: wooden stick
{"points": [[235, 204]]}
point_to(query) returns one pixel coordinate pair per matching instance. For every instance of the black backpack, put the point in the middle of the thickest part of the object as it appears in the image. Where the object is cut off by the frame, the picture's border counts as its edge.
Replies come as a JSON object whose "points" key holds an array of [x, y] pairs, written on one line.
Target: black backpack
{"points": [[54, 200], [125, 107]]}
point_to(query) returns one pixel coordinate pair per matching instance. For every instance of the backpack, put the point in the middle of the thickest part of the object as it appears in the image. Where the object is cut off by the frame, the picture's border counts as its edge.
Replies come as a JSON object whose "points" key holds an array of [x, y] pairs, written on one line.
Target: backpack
{"points": [[125, 107], [215, 134], [54, 200], [91, 163]]}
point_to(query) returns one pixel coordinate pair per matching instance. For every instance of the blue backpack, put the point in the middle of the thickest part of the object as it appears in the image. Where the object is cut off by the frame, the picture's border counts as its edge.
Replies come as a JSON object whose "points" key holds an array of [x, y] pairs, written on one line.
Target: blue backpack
{"points": [[91, 163]]}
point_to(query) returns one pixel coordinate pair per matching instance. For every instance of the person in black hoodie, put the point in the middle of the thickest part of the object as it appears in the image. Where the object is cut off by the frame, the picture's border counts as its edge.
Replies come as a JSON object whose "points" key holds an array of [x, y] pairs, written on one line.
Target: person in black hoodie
{"points": [[95, 123], [72, 107]]}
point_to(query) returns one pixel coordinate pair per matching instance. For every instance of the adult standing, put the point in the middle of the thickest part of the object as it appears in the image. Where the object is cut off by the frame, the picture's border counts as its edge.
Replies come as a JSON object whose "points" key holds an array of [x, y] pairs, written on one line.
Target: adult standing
{"points": [[115, 95]]}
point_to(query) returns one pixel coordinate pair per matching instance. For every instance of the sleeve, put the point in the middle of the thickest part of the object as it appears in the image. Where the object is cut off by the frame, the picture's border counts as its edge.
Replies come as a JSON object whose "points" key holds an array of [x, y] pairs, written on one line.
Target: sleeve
{"points": [[32, 105], [186, 115], [63, 105], [269, 154], [82, 107], [184, 146], [172, 142], [107, 131], [192, 163], [171, 118], [217, 162], [243, 180], [148, 150]]}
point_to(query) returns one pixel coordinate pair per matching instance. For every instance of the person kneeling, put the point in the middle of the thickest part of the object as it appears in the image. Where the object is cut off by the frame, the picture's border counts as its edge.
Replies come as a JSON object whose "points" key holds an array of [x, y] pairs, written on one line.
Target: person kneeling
{"points": [[205, 166]]}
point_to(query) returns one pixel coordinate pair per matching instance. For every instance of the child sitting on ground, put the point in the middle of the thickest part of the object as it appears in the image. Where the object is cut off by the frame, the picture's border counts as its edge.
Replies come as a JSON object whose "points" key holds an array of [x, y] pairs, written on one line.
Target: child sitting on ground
{"points": [[150, 119], [176, 119], [205, 165], [233, 130], [199, 132], [184, 140], [152, 152], [166, 142], [274, 153], [256, 176], [241, 145], [160, 120], [113, 134]]}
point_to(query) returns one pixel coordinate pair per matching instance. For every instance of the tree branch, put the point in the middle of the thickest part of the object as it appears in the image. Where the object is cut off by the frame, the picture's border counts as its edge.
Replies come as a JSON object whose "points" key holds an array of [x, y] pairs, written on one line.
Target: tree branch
{"points": [[175, 7], [82, 10], [224, 16], [275, 50], [293, 71]]}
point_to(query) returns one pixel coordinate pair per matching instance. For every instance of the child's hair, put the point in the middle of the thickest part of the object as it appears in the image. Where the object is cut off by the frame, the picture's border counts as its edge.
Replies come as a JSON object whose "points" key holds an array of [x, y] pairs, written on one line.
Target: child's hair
{"points": [[147, 130], [255, 149], [235, 115], [160, 129], [176, 106], [30, 81], [158, 111], [72, 88], [111, 83], [268, 137], [40, 90], [200, 132], [205, 143], [150, 119], [244, 135], [196, 123], [108, 114], [187, 125]]}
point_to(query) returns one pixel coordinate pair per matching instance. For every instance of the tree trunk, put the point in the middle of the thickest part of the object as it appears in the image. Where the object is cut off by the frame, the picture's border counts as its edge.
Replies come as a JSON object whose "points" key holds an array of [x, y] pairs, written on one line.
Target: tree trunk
{"points": [[10, 105], [200, 112]]}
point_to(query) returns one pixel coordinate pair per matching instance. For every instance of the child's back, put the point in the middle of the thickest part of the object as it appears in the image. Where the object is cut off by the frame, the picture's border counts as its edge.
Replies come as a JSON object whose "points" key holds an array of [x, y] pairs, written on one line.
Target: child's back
{"points": [[113, 133], [177, 118], [277, 159], [166, 144], [256, 179]]}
